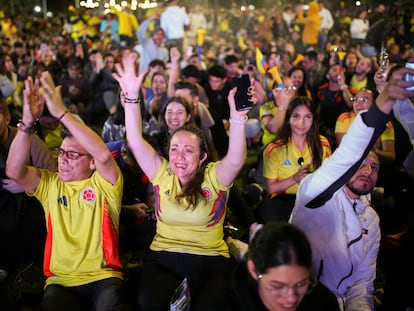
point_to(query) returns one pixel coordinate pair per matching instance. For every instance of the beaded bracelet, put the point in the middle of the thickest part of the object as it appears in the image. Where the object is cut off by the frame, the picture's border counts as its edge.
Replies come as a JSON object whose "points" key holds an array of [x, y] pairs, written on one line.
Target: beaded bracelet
{"points": [[131, 100], [26, 129], [239, 121]]}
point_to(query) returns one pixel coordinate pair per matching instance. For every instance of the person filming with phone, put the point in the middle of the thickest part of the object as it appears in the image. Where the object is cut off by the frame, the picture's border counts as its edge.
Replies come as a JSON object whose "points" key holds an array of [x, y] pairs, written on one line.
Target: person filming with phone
{"points": [[333, 205]]}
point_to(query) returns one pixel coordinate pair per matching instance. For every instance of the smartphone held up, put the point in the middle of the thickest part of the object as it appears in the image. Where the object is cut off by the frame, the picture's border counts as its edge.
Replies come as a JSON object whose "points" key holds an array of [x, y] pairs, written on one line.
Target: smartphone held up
{"points": [[409, 77], [243, 94]]}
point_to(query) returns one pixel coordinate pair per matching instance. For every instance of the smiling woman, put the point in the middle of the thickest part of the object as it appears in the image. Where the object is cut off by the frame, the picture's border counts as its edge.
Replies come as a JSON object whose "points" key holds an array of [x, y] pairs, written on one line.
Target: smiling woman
{"points": [[276, 275], [191, 190], [297, 150]]}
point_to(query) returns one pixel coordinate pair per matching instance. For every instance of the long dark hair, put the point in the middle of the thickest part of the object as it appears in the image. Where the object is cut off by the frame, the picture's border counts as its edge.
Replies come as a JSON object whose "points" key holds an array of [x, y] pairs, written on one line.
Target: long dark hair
{"points": [[312, 137], [3, 70], [303, 90], [162, 124], [277, 244], [192, 190]]}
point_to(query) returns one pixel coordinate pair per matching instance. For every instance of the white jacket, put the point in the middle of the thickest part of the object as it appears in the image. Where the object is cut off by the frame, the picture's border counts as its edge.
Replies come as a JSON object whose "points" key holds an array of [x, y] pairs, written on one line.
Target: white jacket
{"points": [[344, 233], [359, 28]]}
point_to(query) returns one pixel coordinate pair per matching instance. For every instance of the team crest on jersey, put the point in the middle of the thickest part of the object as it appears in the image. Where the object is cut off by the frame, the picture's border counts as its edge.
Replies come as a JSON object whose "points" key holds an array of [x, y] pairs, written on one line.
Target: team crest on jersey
{"points": [[88, 195], [206, 193], [170, 171]]}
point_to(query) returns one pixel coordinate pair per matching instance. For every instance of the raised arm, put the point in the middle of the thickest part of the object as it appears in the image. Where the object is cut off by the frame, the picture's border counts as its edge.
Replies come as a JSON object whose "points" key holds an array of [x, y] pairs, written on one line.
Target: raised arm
{"points": [[282, 99], [27, 177], [174, 70], [395, 89], [233, 161], [142, 29], [87, 138], [346, 93], [146, 156], [355, 145]]}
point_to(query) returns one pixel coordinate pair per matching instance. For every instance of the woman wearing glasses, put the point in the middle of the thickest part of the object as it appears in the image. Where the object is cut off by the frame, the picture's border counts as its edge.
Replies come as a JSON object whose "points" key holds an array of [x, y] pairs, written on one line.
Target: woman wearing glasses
{"points": [[297, 150], [276, 275]]}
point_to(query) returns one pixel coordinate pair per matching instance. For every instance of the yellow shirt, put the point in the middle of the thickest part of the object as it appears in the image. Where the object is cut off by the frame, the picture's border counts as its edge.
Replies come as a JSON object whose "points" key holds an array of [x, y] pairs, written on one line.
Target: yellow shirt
{"points": [[82, 218], [357, 85], [344, 122], [183, 230], [281, 162], [268, 109], [128, 23]]}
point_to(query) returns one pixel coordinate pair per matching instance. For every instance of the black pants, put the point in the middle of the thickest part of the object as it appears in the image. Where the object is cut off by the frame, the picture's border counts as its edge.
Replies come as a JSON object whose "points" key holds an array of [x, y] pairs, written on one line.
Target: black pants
{"points": [[162, 272], [277, 208], [103, 295]]}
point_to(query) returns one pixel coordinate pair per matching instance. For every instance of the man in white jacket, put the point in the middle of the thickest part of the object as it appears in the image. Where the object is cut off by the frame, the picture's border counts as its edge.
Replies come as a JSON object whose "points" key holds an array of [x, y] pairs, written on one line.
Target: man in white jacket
{"points": [[333, 207]]}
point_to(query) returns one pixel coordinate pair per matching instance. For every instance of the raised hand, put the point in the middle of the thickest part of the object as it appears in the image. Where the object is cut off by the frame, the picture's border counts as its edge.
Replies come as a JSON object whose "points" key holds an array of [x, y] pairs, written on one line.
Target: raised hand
{"points": [[232, 103], [52, 95], [175, 55], [286, 95], [397, 85], [380, 77], [126, 76], [32, 103]]}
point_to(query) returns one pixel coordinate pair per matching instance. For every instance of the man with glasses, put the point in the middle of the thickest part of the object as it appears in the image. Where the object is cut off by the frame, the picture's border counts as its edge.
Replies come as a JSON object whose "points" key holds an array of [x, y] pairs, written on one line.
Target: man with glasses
{"points": [[333, 205], [81, 202], [363, 100]]}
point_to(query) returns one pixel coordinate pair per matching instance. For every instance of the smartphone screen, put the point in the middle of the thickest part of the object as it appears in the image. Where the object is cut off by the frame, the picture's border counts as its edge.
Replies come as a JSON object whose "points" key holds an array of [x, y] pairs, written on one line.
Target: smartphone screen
{"points": [[242, 83]]}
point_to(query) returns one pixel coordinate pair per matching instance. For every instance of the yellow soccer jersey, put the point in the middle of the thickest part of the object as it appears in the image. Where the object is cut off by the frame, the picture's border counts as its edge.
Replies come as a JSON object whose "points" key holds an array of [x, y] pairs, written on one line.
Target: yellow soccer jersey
{"points": [[344, 122], [82, 219], [183, 230], [281, 162], [357, 85], [268, 109]]}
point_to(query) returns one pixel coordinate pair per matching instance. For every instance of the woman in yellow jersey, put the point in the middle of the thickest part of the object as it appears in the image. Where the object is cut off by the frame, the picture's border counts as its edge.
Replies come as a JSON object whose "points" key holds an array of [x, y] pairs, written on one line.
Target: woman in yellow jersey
{"points": [[191, 190], [297, 150]]}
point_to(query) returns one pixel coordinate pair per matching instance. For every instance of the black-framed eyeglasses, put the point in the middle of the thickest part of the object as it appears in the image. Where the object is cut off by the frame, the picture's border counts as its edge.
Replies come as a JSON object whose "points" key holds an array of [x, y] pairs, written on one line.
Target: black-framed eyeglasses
{"points": [[277, 289], [71, 155]]}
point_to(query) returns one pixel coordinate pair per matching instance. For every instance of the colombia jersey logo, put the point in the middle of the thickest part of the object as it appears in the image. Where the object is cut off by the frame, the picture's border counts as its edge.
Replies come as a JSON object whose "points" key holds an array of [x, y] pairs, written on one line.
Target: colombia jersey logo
{"points": [[88, 195], [206, 193]]}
